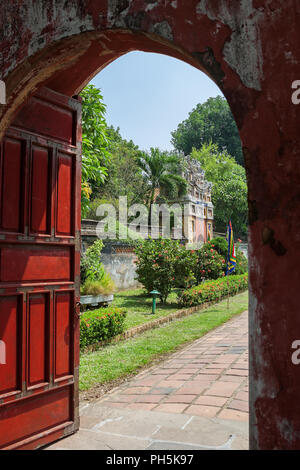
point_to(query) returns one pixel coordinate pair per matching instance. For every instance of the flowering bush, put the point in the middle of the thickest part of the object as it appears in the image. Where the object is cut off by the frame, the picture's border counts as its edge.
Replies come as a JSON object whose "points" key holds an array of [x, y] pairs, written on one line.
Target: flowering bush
{"points": [[155, 265], [101, 324], [210, 265], [213, 290], [219, 244]]}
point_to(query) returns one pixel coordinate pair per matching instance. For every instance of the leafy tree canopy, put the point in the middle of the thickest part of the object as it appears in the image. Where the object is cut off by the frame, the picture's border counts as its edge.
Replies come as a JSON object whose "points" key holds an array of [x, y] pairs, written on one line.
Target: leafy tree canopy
{"points": [[211, 121], [95, 155], [125, 176], [162, 171]]}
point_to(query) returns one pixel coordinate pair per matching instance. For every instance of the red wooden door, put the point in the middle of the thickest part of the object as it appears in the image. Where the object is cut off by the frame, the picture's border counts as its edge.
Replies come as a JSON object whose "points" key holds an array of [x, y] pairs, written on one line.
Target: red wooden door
{"points": [[39, 272]]}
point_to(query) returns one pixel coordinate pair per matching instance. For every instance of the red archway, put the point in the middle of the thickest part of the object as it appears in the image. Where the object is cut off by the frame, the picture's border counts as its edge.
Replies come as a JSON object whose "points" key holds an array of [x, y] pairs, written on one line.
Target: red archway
{"points": [[251, 50]]}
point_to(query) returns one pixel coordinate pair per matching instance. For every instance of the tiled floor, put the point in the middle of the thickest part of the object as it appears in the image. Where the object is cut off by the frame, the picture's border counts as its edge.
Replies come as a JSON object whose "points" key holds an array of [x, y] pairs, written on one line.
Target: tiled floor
{"points": [[207, 380]]}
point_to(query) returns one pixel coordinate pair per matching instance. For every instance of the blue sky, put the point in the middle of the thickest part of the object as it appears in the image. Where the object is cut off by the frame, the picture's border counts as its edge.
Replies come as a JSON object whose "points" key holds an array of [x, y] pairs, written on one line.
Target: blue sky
{"points": [[148, 95]]}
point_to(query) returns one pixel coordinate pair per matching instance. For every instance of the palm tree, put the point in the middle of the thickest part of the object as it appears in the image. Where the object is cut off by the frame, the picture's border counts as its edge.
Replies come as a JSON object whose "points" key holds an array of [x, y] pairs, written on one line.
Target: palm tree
{"points": [[162, 171]]}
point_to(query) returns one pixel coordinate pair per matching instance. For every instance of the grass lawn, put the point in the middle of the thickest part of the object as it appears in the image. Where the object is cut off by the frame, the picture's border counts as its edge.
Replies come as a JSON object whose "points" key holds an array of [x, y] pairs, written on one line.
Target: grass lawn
{"points": [[139, 306], [126, 357]]}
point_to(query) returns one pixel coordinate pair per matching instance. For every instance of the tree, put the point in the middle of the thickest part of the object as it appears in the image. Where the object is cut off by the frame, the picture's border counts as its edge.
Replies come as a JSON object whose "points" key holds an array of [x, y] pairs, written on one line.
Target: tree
{"points": [[229, 192], [162, 171], [95, 155], [211, 121], [163, 264], [125, 176]]}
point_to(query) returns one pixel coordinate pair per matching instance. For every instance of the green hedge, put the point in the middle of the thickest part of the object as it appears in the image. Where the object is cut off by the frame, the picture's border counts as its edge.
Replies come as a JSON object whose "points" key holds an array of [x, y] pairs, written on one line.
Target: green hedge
{"points": [[100, 325], [214, 290]]}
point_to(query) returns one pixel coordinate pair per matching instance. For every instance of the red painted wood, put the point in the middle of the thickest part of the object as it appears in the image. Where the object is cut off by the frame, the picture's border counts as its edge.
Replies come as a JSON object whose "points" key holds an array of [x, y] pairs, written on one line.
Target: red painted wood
{"points": [[65, 195], [63, 334], [10, 328], [40, 217], [39, 272], [35, 263], [38, 339], [12, 179], [48, 118], [26, 418]]}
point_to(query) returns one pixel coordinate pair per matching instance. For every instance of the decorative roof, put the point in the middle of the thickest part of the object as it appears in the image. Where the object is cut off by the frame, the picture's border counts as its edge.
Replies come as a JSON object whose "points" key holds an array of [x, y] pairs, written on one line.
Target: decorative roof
{"points": [[195, 175]]}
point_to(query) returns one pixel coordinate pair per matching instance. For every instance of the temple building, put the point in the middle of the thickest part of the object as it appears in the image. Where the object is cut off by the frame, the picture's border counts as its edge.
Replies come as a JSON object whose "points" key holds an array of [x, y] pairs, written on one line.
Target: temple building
{"points": [[199, 210]]}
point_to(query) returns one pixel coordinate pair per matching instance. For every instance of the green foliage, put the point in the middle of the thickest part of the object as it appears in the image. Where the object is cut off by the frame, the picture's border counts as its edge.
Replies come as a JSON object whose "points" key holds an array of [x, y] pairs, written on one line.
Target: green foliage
{"points": [[211, 121], [163, 264], [162, 171], [229, 192], [220, 245], [94, 279], [241, 263], [213, 290], [104, 286], [125, 176], [91, 267], [95, 155], [94, 204], [185, 265], [100, 325], [210, 265], [155, 260]]}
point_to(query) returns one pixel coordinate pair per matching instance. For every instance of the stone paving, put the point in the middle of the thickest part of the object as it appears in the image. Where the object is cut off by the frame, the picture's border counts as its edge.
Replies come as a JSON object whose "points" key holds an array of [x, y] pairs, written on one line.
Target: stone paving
{"points": [[197, 398]]}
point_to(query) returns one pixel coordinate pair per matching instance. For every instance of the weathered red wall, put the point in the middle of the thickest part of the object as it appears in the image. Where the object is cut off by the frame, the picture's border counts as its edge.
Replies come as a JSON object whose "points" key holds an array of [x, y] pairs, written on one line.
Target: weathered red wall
{"points": [[251, 49]]}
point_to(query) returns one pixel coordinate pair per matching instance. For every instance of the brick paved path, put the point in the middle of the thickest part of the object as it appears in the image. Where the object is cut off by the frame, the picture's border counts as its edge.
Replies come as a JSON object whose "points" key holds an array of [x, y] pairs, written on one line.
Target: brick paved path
{"points": [[207, 380]]}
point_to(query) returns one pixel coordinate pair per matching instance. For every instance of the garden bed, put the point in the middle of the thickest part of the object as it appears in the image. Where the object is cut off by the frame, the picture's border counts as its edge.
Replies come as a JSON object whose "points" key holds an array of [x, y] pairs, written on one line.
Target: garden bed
{"points": [[138, 307]]}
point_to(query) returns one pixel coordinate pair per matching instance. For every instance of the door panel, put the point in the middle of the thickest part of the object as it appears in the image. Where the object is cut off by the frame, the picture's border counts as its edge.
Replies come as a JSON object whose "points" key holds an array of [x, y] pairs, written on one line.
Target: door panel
{"points": [[10, 333], [40, 165], [63, 334], [26, 419], [40, 202], [12, 180], [38, 339], [65, 195]]}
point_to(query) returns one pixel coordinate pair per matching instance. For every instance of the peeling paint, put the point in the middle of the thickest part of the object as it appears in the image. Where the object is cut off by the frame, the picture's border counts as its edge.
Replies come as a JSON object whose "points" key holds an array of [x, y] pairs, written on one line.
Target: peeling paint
{"points": [[163, 29], [243, 52], [151, 4], [117, 11], [65, 20]]}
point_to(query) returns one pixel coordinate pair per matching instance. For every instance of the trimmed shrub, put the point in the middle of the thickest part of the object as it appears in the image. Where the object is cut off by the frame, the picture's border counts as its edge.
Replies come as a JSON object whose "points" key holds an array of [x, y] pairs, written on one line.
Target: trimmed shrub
{"points": [[214, 290], [100, 325]]}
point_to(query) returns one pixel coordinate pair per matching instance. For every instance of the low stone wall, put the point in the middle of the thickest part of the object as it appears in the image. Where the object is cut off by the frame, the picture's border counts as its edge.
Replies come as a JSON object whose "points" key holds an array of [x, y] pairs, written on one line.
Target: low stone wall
{"points": [[118, 258], [121, 268]]}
